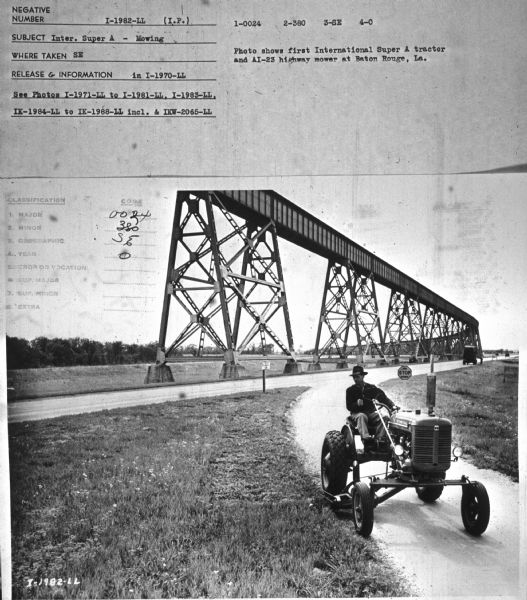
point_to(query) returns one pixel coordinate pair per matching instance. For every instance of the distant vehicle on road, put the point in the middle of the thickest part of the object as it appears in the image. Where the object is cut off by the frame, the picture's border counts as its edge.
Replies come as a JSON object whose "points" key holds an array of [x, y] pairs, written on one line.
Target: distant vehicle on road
{"points": [[470, 355]]}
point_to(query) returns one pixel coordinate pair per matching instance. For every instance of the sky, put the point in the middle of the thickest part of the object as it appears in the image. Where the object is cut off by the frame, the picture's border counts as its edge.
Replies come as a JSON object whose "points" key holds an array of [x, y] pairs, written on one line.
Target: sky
{"points": [[462, 236]]}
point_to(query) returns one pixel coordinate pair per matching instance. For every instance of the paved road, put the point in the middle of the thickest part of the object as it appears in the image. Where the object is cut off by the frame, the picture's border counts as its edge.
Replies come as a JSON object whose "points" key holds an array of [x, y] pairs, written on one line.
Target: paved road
{"points": [[427, 541], [48, 408]]}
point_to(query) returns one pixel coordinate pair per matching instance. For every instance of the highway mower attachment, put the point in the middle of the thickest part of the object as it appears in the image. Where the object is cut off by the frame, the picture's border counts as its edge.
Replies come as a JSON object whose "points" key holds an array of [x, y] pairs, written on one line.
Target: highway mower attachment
{"points": [[417, 450]]}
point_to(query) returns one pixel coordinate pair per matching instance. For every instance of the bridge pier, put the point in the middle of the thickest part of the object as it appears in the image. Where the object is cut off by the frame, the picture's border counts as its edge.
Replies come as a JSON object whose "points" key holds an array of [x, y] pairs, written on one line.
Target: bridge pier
{"points": [[292, 367], [314, 366], [231, 371], [231, 368], [159, 372]]}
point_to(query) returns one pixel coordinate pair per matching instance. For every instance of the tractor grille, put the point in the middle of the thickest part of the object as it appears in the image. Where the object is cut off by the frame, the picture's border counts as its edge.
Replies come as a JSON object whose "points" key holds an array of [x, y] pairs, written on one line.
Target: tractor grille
{"points": [[431, 446]]}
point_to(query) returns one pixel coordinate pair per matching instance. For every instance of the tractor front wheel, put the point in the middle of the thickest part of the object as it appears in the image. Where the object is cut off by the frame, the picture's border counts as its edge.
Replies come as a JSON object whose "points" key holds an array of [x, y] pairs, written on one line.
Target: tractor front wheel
{"points": [[475, 508], [363, 504]]}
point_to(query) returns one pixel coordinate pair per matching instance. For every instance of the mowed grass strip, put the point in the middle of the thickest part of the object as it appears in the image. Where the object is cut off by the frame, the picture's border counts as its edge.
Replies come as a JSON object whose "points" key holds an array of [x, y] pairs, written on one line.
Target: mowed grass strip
{"points": [[57, 381], [483, 408], [199, 498]]}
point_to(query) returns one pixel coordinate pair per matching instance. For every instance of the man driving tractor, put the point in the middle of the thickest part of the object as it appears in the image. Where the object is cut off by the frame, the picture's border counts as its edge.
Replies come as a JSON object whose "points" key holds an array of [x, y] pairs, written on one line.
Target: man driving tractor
{"points": [[360, 402]]}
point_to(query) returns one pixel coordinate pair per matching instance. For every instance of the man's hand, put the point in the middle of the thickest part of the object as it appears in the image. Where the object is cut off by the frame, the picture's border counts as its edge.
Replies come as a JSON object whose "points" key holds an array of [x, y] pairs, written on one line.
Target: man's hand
{"points": [[360, 402]]}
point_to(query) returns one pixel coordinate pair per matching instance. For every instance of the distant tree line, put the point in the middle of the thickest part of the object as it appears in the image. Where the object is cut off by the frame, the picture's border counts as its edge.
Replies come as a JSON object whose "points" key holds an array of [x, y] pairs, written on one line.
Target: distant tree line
{"points": [[59, 352], [192, 349]]}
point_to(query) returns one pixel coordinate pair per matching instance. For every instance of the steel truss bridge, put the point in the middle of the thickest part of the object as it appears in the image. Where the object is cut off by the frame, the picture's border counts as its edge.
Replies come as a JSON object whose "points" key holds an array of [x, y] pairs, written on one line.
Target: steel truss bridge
{"points": [[224, 272]]}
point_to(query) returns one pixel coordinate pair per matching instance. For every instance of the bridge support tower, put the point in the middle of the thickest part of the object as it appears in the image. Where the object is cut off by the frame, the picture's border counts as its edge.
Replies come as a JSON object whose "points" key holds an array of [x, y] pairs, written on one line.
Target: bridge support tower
{"points": [[224, 283], [403, 334], [349, 304]]}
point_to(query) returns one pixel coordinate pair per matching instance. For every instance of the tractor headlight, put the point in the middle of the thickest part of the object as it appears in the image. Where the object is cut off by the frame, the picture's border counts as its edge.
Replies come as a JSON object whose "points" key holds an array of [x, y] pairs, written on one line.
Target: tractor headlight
{"points": [[457, 452], [398, 449]]}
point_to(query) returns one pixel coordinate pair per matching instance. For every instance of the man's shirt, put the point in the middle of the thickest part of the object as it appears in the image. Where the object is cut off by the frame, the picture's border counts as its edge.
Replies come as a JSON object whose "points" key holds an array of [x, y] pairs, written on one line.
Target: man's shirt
{"points": [[368, 393]]}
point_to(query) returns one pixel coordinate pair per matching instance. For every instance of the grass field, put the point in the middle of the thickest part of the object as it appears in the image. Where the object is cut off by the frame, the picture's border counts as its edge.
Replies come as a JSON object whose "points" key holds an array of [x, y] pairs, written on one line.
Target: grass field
{"points": [[200, 498], [49, 381], [483, 407]]}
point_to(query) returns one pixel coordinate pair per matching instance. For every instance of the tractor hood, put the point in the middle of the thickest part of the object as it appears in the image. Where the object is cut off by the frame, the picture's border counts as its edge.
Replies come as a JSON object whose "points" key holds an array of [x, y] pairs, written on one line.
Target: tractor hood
{"points": [[409, 419]]}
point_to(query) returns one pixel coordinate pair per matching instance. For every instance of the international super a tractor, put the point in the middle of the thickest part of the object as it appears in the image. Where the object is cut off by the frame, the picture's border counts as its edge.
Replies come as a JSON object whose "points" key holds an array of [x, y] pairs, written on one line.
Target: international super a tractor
{"points": [[417, 450]]}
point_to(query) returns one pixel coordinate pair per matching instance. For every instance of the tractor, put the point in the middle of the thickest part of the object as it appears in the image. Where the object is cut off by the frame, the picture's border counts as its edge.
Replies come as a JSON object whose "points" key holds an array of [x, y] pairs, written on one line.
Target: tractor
{"points": [[417, 450]]}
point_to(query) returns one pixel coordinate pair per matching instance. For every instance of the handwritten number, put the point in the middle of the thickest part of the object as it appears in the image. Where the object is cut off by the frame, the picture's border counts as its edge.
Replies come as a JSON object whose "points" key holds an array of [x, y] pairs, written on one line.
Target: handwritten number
{"points": [[127, 226], [128, 222], [129, 241]]}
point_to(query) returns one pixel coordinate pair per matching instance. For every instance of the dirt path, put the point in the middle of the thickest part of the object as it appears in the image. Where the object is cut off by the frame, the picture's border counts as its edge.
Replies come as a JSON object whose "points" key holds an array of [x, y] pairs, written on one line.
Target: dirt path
{"points": [[428, 541]]}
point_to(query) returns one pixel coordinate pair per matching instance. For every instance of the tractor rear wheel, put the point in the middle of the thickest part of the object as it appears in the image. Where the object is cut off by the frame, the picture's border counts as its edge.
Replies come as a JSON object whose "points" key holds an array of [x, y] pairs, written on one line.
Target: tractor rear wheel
{"points": [[429, 493], [475, 508], [334, 463], [363, 504]]}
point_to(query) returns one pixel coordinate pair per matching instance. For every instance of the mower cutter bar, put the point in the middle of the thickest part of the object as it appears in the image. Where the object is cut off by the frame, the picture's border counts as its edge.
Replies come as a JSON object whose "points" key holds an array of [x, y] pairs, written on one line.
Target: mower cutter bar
{"points": [[343, 500]]}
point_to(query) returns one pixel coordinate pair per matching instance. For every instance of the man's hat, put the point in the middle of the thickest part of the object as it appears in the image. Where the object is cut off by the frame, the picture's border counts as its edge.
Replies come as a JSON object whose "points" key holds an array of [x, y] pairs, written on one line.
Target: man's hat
{"points": [[358, 370]]}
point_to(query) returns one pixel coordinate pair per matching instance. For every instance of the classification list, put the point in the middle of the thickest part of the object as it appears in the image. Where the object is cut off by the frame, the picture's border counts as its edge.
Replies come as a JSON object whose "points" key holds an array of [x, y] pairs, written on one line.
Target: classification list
{"points": [[103, 65]]}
